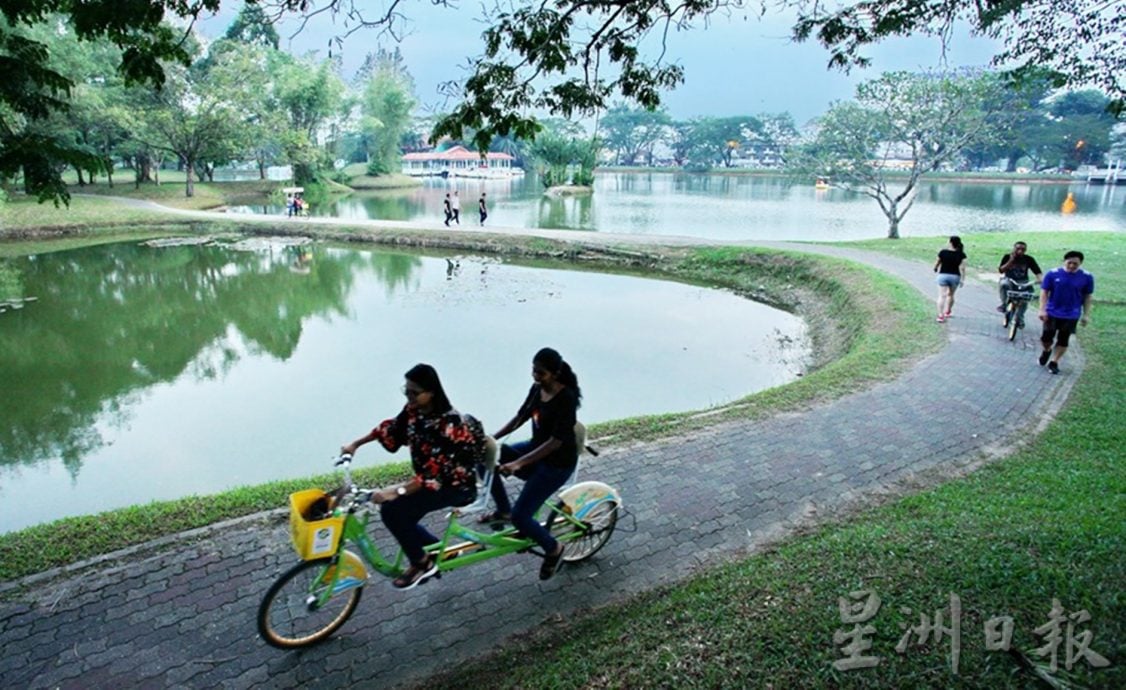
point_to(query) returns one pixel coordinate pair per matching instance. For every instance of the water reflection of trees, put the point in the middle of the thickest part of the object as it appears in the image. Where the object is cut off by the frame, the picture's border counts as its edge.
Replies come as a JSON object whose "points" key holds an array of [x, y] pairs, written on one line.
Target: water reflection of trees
{"points": [[567, 212], [111, 321], [396, 270]]}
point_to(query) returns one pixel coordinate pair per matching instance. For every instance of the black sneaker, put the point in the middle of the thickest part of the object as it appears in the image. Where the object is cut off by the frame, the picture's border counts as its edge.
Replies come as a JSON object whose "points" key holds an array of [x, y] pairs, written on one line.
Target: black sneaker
{"points": [[1044, 357], [551, 564], [1053, 367]]}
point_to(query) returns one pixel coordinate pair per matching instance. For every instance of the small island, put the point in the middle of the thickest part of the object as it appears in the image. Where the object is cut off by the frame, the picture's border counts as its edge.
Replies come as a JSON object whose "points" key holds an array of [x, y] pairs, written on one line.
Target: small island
{"points": [[569, 190]]}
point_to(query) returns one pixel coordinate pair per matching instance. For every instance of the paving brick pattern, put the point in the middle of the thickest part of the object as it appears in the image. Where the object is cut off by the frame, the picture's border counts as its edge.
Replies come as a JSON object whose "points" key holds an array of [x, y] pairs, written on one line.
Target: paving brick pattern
{"points": [[181, 613]]}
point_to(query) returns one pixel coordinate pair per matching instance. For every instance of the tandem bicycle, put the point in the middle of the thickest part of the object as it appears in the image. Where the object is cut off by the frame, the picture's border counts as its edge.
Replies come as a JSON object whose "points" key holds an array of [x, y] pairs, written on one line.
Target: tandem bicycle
{"points": [[316, 596]]}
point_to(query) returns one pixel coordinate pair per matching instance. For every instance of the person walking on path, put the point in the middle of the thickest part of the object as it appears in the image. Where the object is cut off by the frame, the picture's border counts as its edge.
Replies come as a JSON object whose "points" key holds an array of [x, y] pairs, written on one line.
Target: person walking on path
{"points": [[455, 209], [951, 269], [445, 446], [446, 206], [1014, 268], [1065, 302], [482, 208], [547, 460]]}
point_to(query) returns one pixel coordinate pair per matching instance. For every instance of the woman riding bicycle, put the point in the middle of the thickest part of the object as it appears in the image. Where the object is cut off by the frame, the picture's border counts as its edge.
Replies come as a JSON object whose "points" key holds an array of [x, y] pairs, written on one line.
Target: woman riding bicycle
{"points": [[548, 459], [445, 448]]}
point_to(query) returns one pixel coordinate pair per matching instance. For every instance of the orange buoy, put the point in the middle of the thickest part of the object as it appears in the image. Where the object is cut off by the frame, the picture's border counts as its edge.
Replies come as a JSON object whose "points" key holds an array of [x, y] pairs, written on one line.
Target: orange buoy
{"points": [[1069, 204]]}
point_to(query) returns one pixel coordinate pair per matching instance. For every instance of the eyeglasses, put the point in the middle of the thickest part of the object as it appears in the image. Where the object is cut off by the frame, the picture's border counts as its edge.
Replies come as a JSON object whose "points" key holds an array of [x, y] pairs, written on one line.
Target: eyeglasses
{"points": [[539, 371], [412, 392]]}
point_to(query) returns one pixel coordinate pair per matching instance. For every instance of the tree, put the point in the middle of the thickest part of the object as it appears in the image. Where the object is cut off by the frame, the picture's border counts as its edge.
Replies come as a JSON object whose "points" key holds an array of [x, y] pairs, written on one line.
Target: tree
{"points": [[630, 132], [387, 104], [201, 115], [310, 95], [568, 57], [924, 121], [557, 150], [717, 140], [1020, 121], [1082, 127], [1079, 42], [774, 136], [252, 26], [33, 89]]}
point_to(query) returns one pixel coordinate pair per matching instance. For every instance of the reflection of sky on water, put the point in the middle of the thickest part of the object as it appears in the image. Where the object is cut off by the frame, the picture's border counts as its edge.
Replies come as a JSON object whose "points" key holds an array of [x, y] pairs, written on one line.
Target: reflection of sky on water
{"points": [[728, 207], [249, 405]]}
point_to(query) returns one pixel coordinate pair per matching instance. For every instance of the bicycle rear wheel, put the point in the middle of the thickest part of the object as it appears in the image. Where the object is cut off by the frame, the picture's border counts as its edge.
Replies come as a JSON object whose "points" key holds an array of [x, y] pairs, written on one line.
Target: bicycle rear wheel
{"points": [[289, 616], [584, 541]]}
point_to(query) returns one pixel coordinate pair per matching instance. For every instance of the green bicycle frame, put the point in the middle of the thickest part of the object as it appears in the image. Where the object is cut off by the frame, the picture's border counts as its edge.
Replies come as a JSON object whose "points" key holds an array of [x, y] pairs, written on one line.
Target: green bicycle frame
{"points": [[475, 548]]}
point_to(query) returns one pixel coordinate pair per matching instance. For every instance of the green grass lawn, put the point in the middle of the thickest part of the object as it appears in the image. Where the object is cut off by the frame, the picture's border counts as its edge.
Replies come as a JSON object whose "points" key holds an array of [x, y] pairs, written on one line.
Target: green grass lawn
{"points": [[22, 214], [1105, 254], [1048, 522]]}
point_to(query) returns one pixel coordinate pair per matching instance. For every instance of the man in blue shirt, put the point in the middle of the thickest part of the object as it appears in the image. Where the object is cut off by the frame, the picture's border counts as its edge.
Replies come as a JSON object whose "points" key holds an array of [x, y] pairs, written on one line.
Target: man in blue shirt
{"points": [[1065, 301]]}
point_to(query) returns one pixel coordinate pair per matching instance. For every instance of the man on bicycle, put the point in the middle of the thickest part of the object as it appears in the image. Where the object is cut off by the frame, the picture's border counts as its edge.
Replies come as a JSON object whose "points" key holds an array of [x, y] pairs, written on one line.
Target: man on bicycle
{"points": [[1014, 268]]}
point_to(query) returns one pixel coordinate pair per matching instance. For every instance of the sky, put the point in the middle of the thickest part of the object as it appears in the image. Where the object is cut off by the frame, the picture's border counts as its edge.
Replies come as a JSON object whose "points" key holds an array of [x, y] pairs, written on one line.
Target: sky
{"points": [[739, 64]]}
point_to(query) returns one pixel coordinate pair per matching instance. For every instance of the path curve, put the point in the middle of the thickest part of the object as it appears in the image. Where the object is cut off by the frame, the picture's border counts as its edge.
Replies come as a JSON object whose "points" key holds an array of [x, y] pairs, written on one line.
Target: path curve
{"points": [[180, 612]]}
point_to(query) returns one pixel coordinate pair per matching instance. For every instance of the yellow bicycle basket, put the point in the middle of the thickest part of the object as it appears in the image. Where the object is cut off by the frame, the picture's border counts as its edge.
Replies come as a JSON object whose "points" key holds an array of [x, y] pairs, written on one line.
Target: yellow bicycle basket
{"points": [[312, 538]]}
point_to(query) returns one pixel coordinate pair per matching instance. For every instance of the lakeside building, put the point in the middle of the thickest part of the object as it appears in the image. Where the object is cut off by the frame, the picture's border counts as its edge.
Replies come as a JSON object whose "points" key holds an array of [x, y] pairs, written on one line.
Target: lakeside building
{"points": [[459, 161]]}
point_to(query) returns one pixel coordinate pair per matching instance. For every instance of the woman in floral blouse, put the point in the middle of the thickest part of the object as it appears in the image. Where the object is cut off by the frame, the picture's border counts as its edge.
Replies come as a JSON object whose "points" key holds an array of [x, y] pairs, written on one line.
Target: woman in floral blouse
{"points": [[445, 449]]}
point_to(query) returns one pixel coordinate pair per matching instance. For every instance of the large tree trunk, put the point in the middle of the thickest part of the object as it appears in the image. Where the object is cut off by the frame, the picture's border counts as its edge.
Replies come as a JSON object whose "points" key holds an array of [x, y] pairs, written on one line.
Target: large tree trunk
{"points": [[189, 185], [261, 169], [891, 210], [81, 179], [144, 168]]}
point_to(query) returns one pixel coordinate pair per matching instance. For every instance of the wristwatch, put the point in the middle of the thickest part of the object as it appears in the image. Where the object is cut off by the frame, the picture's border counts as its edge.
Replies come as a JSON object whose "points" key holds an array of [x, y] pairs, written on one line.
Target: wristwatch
{"points": [[402, 491]]}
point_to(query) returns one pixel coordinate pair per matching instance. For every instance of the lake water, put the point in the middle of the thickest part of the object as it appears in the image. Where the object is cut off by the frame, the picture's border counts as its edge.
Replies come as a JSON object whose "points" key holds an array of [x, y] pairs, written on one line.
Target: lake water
{"points": [[742, 207], [145, 372]]}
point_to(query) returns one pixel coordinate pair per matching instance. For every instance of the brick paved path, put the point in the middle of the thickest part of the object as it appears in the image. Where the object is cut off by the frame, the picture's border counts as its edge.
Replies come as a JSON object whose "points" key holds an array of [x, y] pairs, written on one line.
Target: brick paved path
{"points": [[180, 612]]}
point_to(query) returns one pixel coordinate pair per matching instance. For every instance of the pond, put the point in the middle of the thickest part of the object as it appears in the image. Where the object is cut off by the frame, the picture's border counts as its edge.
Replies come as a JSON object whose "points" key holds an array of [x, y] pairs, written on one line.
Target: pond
{"points": [[152, 372], [741, 207]]}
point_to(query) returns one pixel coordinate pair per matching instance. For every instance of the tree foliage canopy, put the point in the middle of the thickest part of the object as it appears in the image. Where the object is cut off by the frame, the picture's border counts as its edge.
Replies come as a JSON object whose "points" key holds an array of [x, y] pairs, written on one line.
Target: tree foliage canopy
{"points": [[1080, 42], [912, 122], [566, 57]]}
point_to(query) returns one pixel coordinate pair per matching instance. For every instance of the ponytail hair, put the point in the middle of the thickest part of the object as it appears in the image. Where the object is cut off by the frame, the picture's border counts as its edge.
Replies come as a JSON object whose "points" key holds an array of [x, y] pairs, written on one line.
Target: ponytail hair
{"points": [[956, 242], [553, 361]]}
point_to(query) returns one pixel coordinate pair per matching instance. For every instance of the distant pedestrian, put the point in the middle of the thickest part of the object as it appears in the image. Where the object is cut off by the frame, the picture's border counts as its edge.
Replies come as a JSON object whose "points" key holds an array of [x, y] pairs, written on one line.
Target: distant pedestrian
{"points": [[951, 270], [482, 208], [1065, 302], [455, 208], [447, 208]]}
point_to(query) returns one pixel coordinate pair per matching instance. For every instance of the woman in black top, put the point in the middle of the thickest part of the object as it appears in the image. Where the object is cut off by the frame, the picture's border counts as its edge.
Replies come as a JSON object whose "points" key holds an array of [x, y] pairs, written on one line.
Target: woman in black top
{"points": [[951, 269], [548, 459]]}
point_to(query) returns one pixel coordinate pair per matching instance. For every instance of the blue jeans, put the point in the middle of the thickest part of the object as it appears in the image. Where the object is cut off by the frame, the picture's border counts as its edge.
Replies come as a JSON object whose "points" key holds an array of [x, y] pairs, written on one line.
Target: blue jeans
{"points": [[540, 482], [401, 517]]}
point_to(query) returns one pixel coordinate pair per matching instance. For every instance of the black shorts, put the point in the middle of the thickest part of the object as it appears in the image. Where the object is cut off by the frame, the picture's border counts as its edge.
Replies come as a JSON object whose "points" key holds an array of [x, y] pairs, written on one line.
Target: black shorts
{"points": [[1058, 329]]}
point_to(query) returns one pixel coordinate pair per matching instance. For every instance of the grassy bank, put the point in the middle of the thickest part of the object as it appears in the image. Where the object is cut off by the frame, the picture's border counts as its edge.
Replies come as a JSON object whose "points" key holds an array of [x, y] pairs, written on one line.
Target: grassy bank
{"points": [[1048, 522], [1105, 254], [73, 539], [21, 216], [358, 178], [866, 326]]}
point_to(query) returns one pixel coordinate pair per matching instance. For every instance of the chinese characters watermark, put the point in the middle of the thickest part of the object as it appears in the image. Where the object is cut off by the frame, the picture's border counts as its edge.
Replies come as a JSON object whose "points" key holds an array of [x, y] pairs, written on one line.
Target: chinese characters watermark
{"points": [[859, 610]]}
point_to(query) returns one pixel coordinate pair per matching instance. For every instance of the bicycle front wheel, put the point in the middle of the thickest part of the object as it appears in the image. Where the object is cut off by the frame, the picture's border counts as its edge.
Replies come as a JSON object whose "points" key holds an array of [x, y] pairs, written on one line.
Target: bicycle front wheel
{"points": [[584, 541], [1013, 321], [290, 615]]}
